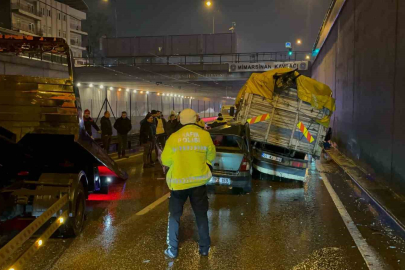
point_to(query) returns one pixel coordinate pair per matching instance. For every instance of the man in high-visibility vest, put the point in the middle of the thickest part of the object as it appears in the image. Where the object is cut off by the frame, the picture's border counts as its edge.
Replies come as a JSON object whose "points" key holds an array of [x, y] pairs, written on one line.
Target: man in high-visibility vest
{"points": [[200, 122], [187, 153]]}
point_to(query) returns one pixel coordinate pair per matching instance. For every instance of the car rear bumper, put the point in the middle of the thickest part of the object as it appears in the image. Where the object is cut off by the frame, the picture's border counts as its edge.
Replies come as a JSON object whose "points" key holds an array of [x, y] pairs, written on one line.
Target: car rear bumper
{"points": [[277, 169], [242, 180]]}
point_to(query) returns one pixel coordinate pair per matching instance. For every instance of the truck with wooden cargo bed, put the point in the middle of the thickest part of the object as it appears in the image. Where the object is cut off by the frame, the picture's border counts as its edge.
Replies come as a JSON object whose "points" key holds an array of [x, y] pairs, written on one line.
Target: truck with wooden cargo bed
{"points": [[288, 115]]}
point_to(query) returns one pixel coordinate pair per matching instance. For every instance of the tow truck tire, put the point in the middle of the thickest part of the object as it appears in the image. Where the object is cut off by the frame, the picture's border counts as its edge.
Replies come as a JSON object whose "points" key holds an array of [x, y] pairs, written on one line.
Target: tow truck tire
{"points": [[74, 225]]}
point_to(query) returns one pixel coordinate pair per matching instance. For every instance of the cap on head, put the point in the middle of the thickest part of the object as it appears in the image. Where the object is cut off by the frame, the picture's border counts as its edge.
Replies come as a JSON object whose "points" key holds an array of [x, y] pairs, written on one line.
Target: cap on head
{"points": [[86, 111], [154, 112], [220, 115], [188, 116]]}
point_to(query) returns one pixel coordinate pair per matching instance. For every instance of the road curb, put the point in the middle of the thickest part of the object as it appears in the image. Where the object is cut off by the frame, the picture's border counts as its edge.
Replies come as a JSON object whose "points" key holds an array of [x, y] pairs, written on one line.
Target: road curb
{"points": [[385, 214]]}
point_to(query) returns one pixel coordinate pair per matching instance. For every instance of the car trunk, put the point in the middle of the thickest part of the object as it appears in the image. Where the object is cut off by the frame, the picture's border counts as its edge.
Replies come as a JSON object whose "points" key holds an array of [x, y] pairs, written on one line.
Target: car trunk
{"points": [[230, 152], [227, 161]]}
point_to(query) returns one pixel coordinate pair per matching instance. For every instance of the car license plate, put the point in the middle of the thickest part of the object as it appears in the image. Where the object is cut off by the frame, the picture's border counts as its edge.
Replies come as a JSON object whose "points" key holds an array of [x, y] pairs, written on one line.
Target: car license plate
{"points": [[271, 157], [224, 181]]}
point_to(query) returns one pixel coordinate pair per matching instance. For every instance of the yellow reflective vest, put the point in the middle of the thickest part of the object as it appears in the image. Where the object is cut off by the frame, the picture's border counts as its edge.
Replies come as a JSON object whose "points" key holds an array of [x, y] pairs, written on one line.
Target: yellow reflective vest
{"points": [[201, 123], [187, 153]]}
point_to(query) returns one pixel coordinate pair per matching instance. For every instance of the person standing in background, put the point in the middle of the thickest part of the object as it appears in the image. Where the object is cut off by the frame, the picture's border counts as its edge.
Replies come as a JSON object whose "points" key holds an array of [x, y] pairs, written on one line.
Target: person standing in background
{"points": [[89, 123], [146, 140], [106, 131], [160, 123], [200, 122], [123, 126], [171, 125]]}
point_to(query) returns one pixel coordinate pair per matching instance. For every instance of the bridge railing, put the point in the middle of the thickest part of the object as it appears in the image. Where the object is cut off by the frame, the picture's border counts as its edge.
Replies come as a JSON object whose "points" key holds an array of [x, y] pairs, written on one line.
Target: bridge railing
{"points": [[197, 59]]}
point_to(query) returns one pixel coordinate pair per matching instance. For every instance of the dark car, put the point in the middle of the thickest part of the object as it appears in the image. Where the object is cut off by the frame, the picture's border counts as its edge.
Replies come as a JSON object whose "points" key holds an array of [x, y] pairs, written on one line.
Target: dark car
{"points": [[233, 163]]}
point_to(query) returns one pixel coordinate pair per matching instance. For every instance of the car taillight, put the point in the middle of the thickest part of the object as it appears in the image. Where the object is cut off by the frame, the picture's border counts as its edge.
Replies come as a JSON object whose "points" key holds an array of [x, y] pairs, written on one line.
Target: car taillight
{"points": [[245, 165], [298, 164], [23, 173]]}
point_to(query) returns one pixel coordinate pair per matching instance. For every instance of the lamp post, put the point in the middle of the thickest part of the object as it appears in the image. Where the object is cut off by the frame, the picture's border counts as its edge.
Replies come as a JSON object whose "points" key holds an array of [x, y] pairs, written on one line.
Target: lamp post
{"points": [[209, 4], [115, 15]]}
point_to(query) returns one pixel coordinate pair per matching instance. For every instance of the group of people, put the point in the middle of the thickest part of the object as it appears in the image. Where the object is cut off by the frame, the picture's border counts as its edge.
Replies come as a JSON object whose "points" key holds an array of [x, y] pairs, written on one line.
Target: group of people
{"points": [[122, 125], [155, 130]]}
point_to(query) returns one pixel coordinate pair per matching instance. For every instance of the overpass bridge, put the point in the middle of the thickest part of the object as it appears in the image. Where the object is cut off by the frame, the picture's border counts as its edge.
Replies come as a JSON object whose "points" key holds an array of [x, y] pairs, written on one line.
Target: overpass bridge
{"points": [[204, 76]]}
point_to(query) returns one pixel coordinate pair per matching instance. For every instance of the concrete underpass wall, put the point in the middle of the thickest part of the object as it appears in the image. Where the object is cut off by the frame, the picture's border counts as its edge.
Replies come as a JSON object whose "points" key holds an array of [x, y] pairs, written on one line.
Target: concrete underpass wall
{"points": [[363, 61]]}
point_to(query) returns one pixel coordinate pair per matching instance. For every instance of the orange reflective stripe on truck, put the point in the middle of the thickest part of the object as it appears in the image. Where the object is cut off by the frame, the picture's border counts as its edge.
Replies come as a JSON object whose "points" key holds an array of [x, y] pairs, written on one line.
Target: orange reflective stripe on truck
{"points": [[306, 133], [259, 118]]}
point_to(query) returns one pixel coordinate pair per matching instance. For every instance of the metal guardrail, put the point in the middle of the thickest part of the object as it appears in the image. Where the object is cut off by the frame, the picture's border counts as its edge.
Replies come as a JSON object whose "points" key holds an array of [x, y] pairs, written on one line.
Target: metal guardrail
{"points": [[198, 59], [29, 231]]}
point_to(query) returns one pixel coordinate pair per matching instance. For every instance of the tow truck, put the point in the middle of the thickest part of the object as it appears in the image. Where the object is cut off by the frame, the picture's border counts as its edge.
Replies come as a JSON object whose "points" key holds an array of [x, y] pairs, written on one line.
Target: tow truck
{"points": [[48, 163]]}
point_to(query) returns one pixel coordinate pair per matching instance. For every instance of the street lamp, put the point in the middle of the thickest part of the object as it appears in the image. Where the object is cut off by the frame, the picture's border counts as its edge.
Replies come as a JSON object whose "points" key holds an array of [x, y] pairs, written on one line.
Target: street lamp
{"points": [[115, 11], [299, 42], [209, 4]]}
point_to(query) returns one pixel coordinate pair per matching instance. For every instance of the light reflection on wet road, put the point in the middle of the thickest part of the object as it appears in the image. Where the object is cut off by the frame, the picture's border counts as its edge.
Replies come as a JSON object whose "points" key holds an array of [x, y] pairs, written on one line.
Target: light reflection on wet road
{"points": [[279, 225]]}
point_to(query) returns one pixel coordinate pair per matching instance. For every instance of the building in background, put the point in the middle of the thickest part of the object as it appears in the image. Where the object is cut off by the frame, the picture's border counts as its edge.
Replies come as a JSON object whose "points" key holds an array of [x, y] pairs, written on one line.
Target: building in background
{"points": [[48, 18]]}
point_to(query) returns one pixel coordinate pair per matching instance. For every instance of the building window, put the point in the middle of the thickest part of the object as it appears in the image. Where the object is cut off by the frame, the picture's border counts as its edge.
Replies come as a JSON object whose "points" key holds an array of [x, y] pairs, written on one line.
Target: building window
{"points": [[31, 27], [43, 11], [59, 33], [59, 16], [50, 30], [64, 17], [49, 13], [64, 34]]}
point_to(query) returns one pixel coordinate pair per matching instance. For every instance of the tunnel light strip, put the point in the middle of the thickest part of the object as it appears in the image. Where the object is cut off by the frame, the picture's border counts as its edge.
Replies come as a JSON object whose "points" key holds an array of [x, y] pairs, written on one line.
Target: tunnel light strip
{"points": [[112, 88]]}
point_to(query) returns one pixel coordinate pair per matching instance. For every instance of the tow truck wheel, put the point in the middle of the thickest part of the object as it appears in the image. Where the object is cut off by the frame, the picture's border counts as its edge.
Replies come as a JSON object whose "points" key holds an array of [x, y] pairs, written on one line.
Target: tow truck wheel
{"points": [[74, 225]]}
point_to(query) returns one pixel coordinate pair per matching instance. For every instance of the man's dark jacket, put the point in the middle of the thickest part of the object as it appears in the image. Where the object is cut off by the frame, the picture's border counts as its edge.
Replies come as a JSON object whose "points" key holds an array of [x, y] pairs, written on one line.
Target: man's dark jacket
{"points": [[88, 123], [106, 127], [123, 126]]}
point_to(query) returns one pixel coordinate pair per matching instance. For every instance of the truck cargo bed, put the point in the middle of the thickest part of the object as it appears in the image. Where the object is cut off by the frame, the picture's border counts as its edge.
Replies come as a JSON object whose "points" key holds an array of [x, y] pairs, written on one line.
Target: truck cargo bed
{"points": [[285, 111]]}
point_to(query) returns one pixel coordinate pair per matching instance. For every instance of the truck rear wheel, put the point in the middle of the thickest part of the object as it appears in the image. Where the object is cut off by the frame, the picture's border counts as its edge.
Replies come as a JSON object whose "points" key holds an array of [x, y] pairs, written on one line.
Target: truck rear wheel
{"points": [[74, 225]]}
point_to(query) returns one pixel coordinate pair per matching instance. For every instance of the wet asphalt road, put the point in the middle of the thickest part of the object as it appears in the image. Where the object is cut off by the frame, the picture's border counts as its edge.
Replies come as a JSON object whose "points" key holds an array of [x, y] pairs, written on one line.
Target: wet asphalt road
{"points": [[279, 225]]}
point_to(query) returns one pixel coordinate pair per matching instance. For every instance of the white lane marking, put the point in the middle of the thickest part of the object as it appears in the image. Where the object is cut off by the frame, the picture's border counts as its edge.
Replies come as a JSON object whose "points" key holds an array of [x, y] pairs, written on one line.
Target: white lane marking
{"points": [[153, 205], [128, 157], [368, 253]]}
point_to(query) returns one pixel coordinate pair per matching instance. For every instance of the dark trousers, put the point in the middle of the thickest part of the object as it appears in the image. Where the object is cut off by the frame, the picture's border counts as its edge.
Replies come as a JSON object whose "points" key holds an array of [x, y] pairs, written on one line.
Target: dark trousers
{"points": [[122, 144], [199, 203], [152, 147], [160, 143], [106, 142], [147, 152]]}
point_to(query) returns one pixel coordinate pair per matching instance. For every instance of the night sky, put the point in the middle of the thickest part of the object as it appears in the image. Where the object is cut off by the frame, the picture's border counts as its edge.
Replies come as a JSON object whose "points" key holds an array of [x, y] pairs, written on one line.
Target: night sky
{"points": [[262, 25]]}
